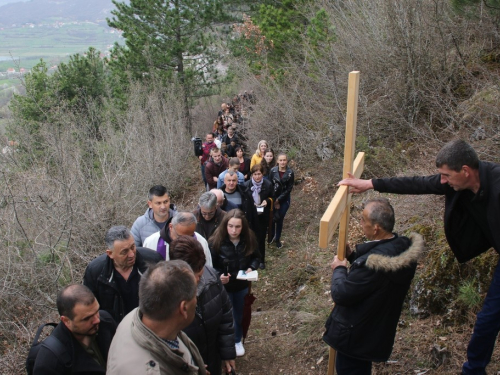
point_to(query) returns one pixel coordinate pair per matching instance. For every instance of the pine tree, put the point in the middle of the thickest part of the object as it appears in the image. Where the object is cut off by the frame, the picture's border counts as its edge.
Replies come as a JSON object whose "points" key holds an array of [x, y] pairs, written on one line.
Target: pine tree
{"points": [[171, 39]]}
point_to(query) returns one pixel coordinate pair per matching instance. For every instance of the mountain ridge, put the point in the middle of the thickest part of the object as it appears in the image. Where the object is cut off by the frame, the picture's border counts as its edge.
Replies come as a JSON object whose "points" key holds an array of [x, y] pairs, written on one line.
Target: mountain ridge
{"points": [[44, 11]]}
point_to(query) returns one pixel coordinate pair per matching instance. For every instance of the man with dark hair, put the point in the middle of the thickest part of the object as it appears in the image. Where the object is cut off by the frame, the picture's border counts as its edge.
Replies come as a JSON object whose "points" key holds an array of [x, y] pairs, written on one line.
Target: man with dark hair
{"points": [[212, 328], [208, 214], [207, 146], [369, 296], [214, 167], [156, 216], [238, 196], [234, 165], [182, 224], [114, 277], [231, 140], [471, 215], [83, 351], [150, 338]]}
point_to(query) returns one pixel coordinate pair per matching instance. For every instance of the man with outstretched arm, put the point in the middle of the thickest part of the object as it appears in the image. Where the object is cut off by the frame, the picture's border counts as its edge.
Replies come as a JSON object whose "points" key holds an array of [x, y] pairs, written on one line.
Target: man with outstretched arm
{"points": [[472, 214]]}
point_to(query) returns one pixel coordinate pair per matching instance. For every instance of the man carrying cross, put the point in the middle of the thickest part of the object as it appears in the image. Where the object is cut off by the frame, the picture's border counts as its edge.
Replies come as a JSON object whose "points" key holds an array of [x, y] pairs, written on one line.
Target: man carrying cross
{"points": [[472, 214], [369, 296]]}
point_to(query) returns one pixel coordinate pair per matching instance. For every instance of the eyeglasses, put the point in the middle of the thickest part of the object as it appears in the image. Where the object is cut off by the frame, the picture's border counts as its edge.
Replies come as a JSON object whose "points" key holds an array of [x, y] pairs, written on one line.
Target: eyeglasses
{"points": [[208, 214]]}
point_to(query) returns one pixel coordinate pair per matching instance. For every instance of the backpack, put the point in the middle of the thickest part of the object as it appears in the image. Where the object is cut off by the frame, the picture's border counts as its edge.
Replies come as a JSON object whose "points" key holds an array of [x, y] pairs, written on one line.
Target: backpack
{"points": [[198, 146], [50, 342]]}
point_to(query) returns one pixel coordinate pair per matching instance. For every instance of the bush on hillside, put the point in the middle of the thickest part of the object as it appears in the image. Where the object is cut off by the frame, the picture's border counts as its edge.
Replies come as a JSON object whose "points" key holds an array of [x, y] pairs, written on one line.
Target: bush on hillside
{"points": [[56, 206]]}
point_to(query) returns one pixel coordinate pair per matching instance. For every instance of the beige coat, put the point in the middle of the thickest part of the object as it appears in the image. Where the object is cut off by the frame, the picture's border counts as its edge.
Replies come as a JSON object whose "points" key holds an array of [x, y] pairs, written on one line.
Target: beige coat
{"points": [[136, 350]]}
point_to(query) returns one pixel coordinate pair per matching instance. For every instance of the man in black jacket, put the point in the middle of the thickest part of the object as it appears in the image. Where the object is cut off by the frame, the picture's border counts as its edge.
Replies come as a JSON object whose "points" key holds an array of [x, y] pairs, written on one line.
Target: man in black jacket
{"points": [[82, 339], [238, 196], [369, 297], [114, 277], [471, 216], [208, 214]]}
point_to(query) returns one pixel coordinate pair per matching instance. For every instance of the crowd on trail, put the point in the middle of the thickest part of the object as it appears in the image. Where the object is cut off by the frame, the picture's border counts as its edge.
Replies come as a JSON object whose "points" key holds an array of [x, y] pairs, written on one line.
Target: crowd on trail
{"points": [[172, 295], [191, 313]]}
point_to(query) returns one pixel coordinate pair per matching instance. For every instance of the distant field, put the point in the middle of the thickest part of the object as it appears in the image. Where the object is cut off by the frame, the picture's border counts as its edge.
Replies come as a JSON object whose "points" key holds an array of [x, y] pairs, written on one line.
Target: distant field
{"points": [[52, 44]]}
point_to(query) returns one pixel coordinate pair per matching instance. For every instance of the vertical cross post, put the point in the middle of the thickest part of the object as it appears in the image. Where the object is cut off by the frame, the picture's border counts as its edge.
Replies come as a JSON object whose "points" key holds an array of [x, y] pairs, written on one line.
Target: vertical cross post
{"points": [[339, 208]]}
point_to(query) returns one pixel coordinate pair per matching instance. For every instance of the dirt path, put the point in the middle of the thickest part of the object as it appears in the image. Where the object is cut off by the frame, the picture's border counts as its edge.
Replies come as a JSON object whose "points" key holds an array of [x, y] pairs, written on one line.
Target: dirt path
{"points": [[293, 300]]}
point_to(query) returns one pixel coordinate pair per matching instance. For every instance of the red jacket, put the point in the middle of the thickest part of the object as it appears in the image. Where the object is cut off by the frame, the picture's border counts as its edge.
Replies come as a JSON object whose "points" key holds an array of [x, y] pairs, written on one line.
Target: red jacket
{"points": [[206, 147], [213, 170]]}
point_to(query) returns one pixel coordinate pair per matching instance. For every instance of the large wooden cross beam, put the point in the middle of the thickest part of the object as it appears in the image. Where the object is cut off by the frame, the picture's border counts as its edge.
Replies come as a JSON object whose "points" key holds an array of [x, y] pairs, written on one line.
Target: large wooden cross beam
{"points": [[339, 209]]}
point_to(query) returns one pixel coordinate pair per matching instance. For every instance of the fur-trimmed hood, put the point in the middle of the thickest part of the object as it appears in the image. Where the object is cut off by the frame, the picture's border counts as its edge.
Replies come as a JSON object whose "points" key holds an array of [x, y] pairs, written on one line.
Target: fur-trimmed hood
{"points": [[385, 263]]}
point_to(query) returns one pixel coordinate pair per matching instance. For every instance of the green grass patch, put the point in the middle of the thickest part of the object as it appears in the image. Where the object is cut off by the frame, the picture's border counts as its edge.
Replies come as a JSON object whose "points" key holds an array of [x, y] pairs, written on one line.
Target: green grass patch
{"points": [[24, 47]]}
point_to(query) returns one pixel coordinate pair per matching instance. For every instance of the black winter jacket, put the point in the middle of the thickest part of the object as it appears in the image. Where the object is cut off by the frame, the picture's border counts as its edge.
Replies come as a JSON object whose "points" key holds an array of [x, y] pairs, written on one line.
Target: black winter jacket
{"points": [[237, 260], [247, 205], [213, 224], [368, 299], [212, 328], [282, 186], [465, 234], [99, 278], [48, 363], [266, 192]]}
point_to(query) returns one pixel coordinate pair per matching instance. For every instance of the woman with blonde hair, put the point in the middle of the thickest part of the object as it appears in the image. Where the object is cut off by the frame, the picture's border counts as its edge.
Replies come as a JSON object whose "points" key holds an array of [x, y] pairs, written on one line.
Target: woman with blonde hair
{"points": [[259, 153]]}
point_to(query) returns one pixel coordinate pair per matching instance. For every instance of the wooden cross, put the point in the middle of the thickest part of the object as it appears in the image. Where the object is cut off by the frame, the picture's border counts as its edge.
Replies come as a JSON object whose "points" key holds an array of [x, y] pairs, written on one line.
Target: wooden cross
{"points": [[339, 208]]}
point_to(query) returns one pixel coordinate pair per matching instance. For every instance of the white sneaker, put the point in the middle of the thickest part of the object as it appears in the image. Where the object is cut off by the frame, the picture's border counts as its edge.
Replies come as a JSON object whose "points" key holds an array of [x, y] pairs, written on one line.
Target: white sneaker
{"points": [[240, 350]]}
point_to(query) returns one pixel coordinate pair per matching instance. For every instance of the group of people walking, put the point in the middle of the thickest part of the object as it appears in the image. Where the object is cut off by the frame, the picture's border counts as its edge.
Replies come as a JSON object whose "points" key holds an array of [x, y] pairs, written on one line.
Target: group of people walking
{"points": [[161, 326], [170, 283], [255, 196]]}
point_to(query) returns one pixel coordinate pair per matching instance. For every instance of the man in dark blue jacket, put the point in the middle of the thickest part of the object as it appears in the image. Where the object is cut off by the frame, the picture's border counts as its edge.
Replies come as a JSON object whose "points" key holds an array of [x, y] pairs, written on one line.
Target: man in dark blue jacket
{"points": [[369, 296], [82, 339], [472, 214]]}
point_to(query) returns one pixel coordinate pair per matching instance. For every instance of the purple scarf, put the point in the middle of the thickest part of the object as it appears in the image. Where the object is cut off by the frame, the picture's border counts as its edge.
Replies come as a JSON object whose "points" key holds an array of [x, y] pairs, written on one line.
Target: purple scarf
{"points": [[161, 248], [257, 186]]}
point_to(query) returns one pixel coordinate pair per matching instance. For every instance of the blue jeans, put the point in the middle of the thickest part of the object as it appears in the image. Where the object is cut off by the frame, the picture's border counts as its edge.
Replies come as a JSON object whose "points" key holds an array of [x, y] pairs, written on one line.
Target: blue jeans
{"points": [[203, 174], [279, 223], [485, 331], [238, 301], [350, 366]]}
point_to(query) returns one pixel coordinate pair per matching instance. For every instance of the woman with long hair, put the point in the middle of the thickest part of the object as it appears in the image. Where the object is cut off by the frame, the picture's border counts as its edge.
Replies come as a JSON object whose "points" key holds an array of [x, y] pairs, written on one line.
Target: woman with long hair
{"points": [[244, 162], [282, 178], [259, 153], [234, 248], [218, 122], [268, 162], [262, 192]]}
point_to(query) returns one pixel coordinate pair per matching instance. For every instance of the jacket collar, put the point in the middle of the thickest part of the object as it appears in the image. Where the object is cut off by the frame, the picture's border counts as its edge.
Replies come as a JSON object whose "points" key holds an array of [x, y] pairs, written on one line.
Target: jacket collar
{"points": [[164, 232], [484, 184], [286, 175], [385, 263], [80, 359]]}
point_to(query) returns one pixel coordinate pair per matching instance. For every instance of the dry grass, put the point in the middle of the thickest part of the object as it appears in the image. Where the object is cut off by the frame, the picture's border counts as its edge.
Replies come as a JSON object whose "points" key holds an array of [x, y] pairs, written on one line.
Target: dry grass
{"points": [[293, 299]]}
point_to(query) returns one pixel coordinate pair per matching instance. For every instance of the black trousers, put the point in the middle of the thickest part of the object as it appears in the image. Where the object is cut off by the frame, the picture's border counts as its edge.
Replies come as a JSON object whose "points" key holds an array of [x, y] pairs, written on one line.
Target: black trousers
{"points": [[351, 366], [262, 224]]}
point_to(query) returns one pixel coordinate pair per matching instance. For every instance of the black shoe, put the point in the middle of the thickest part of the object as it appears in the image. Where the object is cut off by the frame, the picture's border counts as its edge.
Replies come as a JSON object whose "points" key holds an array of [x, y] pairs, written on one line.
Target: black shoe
{"points": [[279, 245], [270, 242], [262, 266]]}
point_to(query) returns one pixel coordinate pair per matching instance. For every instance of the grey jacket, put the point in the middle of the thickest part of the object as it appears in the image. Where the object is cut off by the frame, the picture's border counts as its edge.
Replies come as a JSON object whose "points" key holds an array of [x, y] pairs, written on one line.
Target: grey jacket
{"points": [[145, 225]]}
